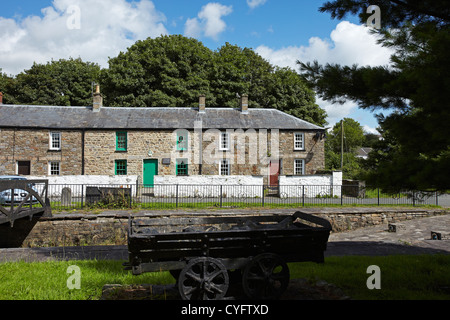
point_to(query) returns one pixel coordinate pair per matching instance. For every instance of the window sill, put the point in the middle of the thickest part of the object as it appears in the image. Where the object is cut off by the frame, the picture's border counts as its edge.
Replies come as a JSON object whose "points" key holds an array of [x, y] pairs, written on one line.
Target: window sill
{"points": [[299, 150], [54, 150]]}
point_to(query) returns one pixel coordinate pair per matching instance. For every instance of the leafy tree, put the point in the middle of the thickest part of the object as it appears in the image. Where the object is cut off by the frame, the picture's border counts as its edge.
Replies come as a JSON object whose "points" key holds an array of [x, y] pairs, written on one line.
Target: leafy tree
{"points": [[172, 71], [353, 136], [168, 71], [239, 71], [415, 152], [370, 140], [353, 139], [62, 82], [6, 87], [287, 92]]}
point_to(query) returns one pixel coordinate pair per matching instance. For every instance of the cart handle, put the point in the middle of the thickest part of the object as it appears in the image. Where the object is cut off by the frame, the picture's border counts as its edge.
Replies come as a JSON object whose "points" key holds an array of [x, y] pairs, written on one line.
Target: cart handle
{"points": [[314, 219]]}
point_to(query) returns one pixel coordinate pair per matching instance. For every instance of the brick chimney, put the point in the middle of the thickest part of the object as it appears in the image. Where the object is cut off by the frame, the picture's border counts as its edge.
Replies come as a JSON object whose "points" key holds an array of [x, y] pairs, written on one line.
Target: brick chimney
{"points": [[244, 104], [98, 99], [201, 103], [1, 97]]}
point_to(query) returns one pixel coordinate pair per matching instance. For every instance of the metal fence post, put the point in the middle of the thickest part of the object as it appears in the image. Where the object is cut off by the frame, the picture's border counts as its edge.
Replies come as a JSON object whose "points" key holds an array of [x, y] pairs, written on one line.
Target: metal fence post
{"points": [[378, 196], [436, 198], [137, 189], [131, 196], [82, 196], [221, 196], [303, 196], [342, 194], [262, 195], [176, 197]]}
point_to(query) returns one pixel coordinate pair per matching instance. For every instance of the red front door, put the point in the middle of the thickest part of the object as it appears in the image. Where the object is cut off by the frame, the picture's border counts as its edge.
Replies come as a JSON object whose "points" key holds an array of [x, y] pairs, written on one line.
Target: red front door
{"points": [[274, 172]]}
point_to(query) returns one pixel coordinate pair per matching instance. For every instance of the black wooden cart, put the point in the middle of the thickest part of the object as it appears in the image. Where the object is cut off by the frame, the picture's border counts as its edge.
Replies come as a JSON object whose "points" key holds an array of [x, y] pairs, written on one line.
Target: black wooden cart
{"points": [[205, 253]]}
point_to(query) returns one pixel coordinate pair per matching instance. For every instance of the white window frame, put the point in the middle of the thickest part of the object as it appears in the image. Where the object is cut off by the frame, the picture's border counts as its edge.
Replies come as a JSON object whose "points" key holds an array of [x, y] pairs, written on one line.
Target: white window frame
{"points": [[52, 140], [296, 161], [224, 141], [50, 166], [221, 167], [299, 145]]}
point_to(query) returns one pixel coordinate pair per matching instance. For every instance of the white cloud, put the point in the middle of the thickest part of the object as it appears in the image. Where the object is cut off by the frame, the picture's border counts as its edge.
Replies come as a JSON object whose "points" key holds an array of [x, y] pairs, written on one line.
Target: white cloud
{"points": [[348, 44], [208, 21], [192, 28], [101, 30], [255, 3], [368, 129]]}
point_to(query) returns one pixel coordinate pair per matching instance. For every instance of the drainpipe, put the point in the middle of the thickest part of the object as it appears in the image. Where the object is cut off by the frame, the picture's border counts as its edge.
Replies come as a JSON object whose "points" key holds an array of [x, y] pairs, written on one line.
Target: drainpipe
{"points": [[82, 151]]}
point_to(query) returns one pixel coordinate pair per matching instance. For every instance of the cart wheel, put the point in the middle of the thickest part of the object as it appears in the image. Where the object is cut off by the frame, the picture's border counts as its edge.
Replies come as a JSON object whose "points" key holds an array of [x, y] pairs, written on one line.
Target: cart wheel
{"points": [[203, 278], [266, 276]]}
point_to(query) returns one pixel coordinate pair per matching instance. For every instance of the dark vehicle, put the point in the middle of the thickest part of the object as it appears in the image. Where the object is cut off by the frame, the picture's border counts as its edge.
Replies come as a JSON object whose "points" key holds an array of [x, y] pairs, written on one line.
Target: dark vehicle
{"points": [[205, 253]]}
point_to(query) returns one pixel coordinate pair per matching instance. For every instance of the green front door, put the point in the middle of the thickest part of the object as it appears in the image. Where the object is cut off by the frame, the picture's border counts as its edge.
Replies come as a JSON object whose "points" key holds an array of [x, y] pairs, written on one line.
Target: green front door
{"points": [[150, 170]]}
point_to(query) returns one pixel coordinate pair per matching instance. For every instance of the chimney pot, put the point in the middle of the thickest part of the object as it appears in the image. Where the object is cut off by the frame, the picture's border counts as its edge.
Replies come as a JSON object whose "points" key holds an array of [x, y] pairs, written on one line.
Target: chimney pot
{"points": [[1, 97], [202, 104], [98, 100], [244, 104]]}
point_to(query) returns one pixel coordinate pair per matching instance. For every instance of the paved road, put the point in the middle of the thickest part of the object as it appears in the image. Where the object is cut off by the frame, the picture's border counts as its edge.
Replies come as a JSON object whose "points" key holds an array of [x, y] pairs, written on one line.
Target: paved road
{"points": [[413, 237]]}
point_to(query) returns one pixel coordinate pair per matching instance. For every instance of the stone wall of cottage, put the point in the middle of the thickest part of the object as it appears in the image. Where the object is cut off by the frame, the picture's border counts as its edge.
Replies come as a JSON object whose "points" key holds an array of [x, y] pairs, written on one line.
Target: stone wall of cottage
{"points": [[33, 145], [101, 154], [250, 157], [313, 153], [250, 152]]}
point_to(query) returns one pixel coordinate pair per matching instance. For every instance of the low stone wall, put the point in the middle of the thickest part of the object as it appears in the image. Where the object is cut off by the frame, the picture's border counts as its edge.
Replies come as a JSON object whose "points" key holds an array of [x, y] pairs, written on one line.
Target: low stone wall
{"points": [[351, 220], [110, 228]]}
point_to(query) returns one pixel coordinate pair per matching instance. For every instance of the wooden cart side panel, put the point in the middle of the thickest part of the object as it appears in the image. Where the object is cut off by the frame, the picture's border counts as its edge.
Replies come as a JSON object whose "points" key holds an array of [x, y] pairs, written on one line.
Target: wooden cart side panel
{"points": [[231, 247], [243, 237]]}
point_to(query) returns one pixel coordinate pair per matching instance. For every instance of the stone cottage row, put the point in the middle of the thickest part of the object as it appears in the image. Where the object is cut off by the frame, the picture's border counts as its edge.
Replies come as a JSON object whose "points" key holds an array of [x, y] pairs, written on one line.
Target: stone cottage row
{"points": [[146, 142]]}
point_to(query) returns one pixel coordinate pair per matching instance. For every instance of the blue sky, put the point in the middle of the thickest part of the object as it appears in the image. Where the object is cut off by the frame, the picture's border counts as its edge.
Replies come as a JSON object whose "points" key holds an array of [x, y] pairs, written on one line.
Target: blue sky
{"points": [[281, 31]]}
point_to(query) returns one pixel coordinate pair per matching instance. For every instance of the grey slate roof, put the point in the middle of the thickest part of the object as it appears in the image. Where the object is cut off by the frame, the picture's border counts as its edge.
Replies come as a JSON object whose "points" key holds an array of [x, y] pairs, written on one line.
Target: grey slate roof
{"points": [[56, 117]]}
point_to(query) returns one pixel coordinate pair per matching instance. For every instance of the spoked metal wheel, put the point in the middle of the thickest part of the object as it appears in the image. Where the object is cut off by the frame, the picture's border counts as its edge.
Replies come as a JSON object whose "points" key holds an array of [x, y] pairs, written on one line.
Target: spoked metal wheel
{"points": [[203, 278], [265, 277]]}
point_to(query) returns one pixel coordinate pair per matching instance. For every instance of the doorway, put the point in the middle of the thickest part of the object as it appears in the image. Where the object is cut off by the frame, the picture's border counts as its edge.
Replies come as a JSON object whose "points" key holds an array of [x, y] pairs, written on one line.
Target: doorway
{"points": [[274, 172], [150, 170]]}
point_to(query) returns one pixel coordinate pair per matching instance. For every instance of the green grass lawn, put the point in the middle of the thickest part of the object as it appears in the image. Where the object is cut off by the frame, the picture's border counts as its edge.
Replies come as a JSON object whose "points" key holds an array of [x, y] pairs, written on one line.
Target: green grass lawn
{"points": [[48, 280], [402, 277]]}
